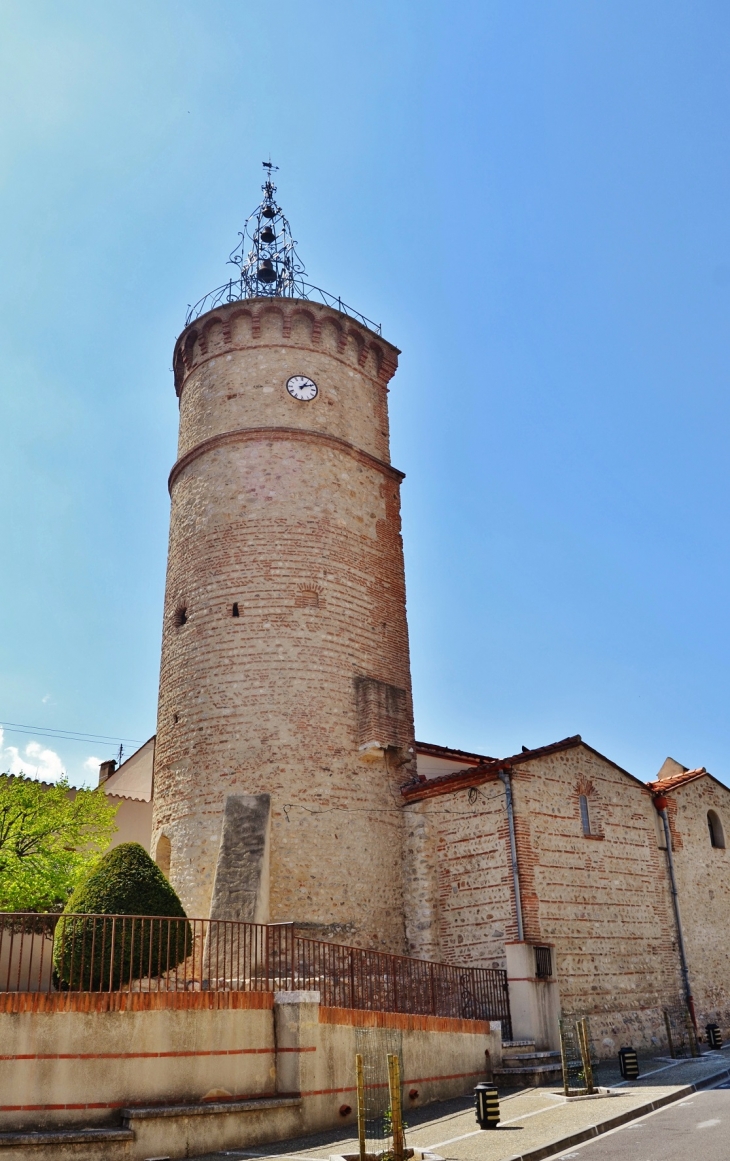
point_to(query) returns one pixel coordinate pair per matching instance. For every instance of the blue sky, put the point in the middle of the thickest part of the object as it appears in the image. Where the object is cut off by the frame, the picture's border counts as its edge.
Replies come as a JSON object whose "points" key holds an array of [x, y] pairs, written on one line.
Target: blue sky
{"points": [[532, 197]]}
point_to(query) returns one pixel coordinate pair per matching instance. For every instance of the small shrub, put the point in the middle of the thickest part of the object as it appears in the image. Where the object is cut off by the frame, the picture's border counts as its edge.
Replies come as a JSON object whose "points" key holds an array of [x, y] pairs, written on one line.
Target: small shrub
{"points": [[101, 942]]}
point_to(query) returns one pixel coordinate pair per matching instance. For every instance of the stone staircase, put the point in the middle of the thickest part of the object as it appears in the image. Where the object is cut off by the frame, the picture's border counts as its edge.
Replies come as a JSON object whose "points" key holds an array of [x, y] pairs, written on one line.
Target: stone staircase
{"points": [[523, 1067]]}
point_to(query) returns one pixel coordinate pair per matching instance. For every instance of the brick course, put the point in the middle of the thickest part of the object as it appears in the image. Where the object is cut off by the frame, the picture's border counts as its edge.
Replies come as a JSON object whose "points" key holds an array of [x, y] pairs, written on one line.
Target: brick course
{"points": [[600, 900], [703, 883], [271, 498], [605, 904]]}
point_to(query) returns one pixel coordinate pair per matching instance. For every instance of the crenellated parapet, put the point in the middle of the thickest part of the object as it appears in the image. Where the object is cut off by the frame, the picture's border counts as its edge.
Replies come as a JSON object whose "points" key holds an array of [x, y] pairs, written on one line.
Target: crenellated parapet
{"points": [[282, 322]]}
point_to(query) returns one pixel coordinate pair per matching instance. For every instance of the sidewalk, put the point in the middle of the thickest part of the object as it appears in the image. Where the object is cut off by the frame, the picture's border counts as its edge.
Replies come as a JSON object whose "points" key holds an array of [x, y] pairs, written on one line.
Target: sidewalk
{"points": [[536, 1123]]}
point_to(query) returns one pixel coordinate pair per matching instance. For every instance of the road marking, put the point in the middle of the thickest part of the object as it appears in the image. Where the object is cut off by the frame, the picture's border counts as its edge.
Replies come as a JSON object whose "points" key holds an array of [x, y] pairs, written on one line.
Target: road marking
{"points": [[260, 1156], [654, 1071], [558, 1156], [476, 1132], [439, 1144], [709, 1124]]}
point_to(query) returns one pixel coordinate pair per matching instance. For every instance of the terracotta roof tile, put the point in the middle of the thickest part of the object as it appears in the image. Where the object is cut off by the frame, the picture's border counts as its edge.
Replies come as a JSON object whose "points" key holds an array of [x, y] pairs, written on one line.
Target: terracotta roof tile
{"points": [[660, 785], [488, 769], [449, 752]]}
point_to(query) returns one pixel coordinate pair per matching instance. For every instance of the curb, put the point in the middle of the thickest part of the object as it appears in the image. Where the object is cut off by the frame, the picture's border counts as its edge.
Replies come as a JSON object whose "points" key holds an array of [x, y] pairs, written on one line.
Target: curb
{"points": [[545, 1151]]}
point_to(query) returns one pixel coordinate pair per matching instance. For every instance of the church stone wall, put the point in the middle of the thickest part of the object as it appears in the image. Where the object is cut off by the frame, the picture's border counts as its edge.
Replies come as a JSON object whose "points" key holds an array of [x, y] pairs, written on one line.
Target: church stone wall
{"points": [[290, 512], [601, 901], [703, 883], [459, 895]]}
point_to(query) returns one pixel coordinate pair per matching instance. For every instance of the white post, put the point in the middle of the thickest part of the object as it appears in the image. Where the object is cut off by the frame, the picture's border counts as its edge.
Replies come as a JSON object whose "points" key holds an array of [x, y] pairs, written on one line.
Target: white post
{"points": [[534, 1003]]}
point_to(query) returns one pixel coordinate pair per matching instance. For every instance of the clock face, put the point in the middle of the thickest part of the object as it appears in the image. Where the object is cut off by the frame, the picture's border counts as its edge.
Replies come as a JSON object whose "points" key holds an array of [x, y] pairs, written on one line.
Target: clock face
{"points": [[302, 388]]}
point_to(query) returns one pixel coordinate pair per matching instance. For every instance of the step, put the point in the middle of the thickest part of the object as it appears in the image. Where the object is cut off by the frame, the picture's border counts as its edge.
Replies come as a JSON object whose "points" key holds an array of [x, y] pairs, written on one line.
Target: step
{"points": [[209, 1108], [217, 1126], [529, 1075], [106, 1135], [540, 1057], [511, 1047], [542, 1068], [24, 1138]]}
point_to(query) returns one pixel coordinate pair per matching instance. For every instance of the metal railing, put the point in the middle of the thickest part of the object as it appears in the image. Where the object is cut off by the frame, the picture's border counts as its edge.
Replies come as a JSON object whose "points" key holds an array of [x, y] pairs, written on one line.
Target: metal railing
{"points": [[107, 953], [236, 290]]}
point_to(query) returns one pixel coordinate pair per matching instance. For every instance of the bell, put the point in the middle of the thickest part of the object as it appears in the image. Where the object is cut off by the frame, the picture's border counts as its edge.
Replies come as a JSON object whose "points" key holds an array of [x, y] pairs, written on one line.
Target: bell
{"points": [[266, 272], [267, 235], [268, 211]]}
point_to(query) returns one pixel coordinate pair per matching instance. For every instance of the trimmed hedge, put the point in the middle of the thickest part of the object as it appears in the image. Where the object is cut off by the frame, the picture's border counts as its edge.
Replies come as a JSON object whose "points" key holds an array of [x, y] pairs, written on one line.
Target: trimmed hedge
{"points": [[101, 953]]}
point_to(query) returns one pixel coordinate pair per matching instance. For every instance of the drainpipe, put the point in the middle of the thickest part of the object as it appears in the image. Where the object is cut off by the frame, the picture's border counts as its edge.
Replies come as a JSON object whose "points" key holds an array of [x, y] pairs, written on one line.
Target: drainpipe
{"points": [[660, 802], [505, 778]]}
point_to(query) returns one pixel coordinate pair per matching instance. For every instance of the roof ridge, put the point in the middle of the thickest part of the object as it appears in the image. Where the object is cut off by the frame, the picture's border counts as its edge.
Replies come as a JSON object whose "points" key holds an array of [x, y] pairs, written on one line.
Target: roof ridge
{"points": [[677, 779], [447, 750]]}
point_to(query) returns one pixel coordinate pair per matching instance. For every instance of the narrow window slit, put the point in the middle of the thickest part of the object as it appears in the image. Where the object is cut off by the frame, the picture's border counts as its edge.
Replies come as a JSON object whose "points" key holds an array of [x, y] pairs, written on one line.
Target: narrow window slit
{"points": [[235, 612], [584, 815]]}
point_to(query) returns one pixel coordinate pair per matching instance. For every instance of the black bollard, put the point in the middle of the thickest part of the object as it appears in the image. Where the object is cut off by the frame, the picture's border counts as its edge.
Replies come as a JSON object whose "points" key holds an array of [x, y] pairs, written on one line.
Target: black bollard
{"points": [[628, 1063], [486, 1101], [714, 1039]]}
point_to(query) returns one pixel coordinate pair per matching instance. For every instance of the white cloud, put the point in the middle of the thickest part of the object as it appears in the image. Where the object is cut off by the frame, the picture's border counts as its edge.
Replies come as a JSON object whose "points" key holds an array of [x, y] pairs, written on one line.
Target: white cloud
{"points": [[93, 764], [35, 761]]}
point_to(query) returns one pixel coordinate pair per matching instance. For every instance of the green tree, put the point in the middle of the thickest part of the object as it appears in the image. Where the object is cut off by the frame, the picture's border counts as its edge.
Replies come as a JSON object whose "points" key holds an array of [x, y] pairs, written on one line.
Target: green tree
{"points": [[50, 838]]}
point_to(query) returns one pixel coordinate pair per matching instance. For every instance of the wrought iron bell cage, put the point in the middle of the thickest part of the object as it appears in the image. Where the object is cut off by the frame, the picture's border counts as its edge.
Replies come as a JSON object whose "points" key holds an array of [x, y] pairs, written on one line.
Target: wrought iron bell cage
{"points": [[268, 264], [266, 256]]}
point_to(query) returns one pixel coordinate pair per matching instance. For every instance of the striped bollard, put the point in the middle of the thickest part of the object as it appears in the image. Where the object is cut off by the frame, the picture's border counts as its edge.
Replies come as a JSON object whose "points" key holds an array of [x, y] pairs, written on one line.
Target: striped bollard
{"points": [[486, 1100]]}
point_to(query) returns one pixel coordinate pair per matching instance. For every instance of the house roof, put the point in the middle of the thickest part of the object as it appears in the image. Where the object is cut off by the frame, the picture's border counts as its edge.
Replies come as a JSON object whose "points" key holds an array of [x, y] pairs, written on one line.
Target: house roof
{"points": [[133, 779], [527, 755], [449, 753], [677, 781], [662, 785], [488, 770]]}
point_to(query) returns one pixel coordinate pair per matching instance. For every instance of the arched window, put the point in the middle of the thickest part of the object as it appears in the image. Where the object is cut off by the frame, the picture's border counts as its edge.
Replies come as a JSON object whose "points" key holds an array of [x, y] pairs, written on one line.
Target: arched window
{"points": [[585, 817], [163, 854], [717, 835]]}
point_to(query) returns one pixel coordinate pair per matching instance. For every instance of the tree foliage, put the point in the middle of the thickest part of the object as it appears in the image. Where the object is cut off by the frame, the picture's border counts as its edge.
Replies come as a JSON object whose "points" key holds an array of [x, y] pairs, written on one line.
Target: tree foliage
{"points": [[126, 881], [92, 951], [50, 838]]}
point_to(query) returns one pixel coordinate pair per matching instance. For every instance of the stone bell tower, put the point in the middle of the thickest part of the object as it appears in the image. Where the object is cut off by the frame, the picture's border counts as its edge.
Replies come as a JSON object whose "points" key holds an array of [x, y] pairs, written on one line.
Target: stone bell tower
{"points": [[285, 722]]}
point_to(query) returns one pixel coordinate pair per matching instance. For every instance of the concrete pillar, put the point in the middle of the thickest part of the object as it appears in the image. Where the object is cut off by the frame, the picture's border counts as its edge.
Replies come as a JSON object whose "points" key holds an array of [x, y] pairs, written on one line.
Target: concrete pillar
{"points": [[296, 1035], [534, 1003]]}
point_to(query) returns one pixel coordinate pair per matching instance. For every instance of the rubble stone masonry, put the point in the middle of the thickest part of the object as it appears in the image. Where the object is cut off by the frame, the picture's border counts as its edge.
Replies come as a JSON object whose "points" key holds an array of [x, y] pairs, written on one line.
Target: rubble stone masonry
{"points": [[285, 586], [459, 900], [600, 900], [703, 883]]}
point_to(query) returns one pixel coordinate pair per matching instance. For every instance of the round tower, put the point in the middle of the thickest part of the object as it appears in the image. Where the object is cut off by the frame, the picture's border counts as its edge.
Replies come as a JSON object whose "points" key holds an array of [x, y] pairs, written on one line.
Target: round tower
{"points": [[285, 723]]}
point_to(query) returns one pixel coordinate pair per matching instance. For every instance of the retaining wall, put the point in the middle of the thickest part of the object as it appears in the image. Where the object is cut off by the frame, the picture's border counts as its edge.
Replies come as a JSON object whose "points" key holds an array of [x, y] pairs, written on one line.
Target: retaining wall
{"points": [[80, 1060]]}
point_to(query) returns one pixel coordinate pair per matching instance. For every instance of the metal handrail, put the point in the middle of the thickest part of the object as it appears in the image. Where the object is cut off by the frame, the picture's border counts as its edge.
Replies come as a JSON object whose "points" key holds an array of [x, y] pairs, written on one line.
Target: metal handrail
{"points": [[236, 291], [150, 953]]}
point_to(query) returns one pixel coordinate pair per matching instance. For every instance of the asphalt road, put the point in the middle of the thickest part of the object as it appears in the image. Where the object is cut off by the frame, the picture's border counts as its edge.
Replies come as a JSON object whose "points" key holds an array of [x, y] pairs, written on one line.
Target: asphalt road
{"points": [[695, 1129]]}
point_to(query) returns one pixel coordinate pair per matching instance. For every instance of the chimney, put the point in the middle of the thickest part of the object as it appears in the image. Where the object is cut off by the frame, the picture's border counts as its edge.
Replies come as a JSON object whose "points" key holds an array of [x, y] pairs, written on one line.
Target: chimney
{"points": [[106, 769]]}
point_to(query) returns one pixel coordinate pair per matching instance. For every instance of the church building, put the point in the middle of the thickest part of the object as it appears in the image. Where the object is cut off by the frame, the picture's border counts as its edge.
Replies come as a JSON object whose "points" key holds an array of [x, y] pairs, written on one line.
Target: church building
{"points": [[285, 782]]}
